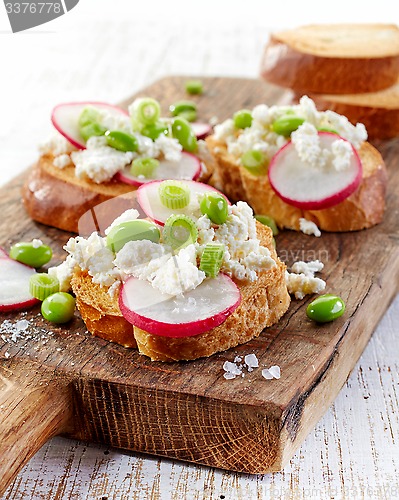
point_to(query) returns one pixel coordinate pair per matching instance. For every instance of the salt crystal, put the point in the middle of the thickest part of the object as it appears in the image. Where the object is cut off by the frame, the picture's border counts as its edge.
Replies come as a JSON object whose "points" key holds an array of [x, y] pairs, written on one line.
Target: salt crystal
{"points": [[7, 355], [231, 368], [251, 361], [266, 374], [37, 243], [237, 359], [228, 376], [275, 371], [21, 324]]}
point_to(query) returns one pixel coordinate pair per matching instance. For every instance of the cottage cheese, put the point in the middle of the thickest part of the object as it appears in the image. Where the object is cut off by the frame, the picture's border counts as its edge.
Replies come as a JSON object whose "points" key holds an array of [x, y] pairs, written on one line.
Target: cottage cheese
{"points": [[301, 281], [300, 285], [93, 256], [99, 162], [62, 161], [169, 147], [309, 227], [244, 256], [56, 145], [64, 273], [259, 135]]}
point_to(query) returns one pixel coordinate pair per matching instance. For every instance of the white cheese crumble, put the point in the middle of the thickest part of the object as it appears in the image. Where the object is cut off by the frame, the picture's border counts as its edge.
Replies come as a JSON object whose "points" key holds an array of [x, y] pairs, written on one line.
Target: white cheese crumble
{"points": [[244, 256], [301, 281], [99, 164], [64, 273], [309, 227], [259, 135], [169, 147], [62, 161], [56, 145]]}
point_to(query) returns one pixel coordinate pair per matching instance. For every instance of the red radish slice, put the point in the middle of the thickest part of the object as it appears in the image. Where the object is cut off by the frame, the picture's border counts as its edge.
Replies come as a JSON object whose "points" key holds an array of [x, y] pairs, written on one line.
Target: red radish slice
{"points": [[188, 168], [3, 254], [199, 310], [201, 130], [150, 202], [65, 119], [14, 285], [313, 188]]}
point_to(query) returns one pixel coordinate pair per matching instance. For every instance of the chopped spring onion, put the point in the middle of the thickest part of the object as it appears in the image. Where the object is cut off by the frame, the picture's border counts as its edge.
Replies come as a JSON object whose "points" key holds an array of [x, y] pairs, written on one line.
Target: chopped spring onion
{"points": [[146, 111], [144, 167], [174, 194], [180, 231], [42, 285], [211, 259]]}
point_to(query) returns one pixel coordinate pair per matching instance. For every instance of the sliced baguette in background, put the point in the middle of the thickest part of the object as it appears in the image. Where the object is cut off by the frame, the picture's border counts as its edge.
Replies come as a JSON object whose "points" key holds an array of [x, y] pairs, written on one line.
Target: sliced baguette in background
{"points": [[333, 58], [378, 111]]}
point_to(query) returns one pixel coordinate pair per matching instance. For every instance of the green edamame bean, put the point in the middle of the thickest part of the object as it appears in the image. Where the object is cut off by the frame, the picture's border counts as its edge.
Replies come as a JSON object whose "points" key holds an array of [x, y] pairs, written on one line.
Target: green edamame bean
{"points": [[266, 220], [287, 124], [58, 307], [121, 141], [153, 131], [255, 162], [182, 131], [92, 129], [215, 206], [326, 308], [328, 129], [132, 231], [88, 116], [30, 254], [242, 119], [194, 87], [181, 106]]}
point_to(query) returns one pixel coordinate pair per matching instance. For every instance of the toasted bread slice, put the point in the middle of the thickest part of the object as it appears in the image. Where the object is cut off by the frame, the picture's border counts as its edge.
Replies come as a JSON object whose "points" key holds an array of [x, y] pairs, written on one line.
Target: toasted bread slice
{"points": [[56, 197], [333, 58], [363, 209], [378, 111], [263, 302]]}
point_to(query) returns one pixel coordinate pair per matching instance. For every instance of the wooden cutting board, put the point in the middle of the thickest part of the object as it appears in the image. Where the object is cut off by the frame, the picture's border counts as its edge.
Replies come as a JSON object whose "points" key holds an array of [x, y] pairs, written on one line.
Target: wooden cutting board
{"points": [[60, 380]]}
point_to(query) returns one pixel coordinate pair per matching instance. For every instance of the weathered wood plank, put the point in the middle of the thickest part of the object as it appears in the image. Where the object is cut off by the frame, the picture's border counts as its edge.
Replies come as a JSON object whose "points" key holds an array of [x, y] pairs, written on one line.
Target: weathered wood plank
{"points": [[252, 425]]}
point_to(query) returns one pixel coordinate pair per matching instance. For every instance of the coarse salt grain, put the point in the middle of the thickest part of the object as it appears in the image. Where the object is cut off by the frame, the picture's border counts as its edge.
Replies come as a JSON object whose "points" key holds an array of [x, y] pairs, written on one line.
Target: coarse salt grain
{"points": [[271, 373], [36, 243]]}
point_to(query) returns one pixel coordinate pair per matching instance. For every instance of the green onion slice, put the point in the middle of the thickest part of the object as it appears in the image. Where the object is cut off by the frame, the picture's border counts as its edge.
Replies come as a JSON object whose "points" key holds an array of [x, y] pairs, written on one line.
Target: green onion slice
{"points": [[255, 162], [211, 259], [42, 285], [144, 167], [174, 194], [180, 231], [147, 111]]}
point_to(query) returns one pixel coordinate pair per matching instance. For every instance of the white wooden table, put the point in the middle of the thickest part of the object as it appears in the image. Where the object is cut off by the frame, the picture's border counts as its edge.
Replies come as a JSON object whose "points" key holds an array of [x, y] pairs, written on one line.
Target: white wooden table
{"points": [[105, 50]]}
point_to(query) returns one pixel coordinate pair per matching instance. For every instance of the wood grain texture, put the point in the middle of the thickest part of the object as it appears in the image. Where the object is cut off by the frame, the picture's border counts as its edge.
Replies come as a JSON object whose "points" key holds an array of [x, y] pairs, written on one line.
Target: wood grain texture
{"points": [[250, 424]]}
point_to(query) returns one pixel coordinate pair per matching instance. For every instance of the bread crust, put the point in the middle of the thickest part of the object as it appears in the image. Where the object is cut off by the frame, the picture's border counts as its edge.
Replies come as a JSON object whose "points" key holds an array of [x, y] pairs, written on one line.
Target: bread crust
{"points": [[263, 302], [56, 197], [362, 209], [304, 72]]}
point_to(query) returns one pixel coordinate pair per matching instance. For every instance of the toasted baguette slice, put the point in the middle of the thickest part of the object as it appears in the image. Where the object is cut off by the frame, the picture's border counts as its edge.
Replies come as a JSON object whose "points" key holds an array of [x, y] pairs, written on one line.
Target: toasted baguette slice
{"points": [[333, 58], [263, 302], [56, 197], [363, 209], [378, 111]]}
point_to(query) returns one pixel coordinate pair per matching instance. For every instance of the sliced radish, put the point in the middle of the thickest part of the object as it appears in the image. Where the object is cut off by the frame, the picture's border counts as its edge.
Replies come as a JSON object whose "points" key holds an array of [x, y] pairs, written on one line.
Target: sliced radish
{"points": [[65, 119], [14, 285], [313, 188], [201, 130], [150, 202], [199, 310], [3, 254], [188, 168]]}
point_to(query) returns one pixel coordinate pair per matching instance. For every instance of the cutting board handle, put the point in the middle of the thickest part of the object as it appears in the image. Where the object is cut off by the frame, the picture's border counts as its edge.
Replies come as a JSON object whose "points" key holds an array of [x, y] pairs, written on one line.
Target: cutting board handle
{"points": [[35, 405]]}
